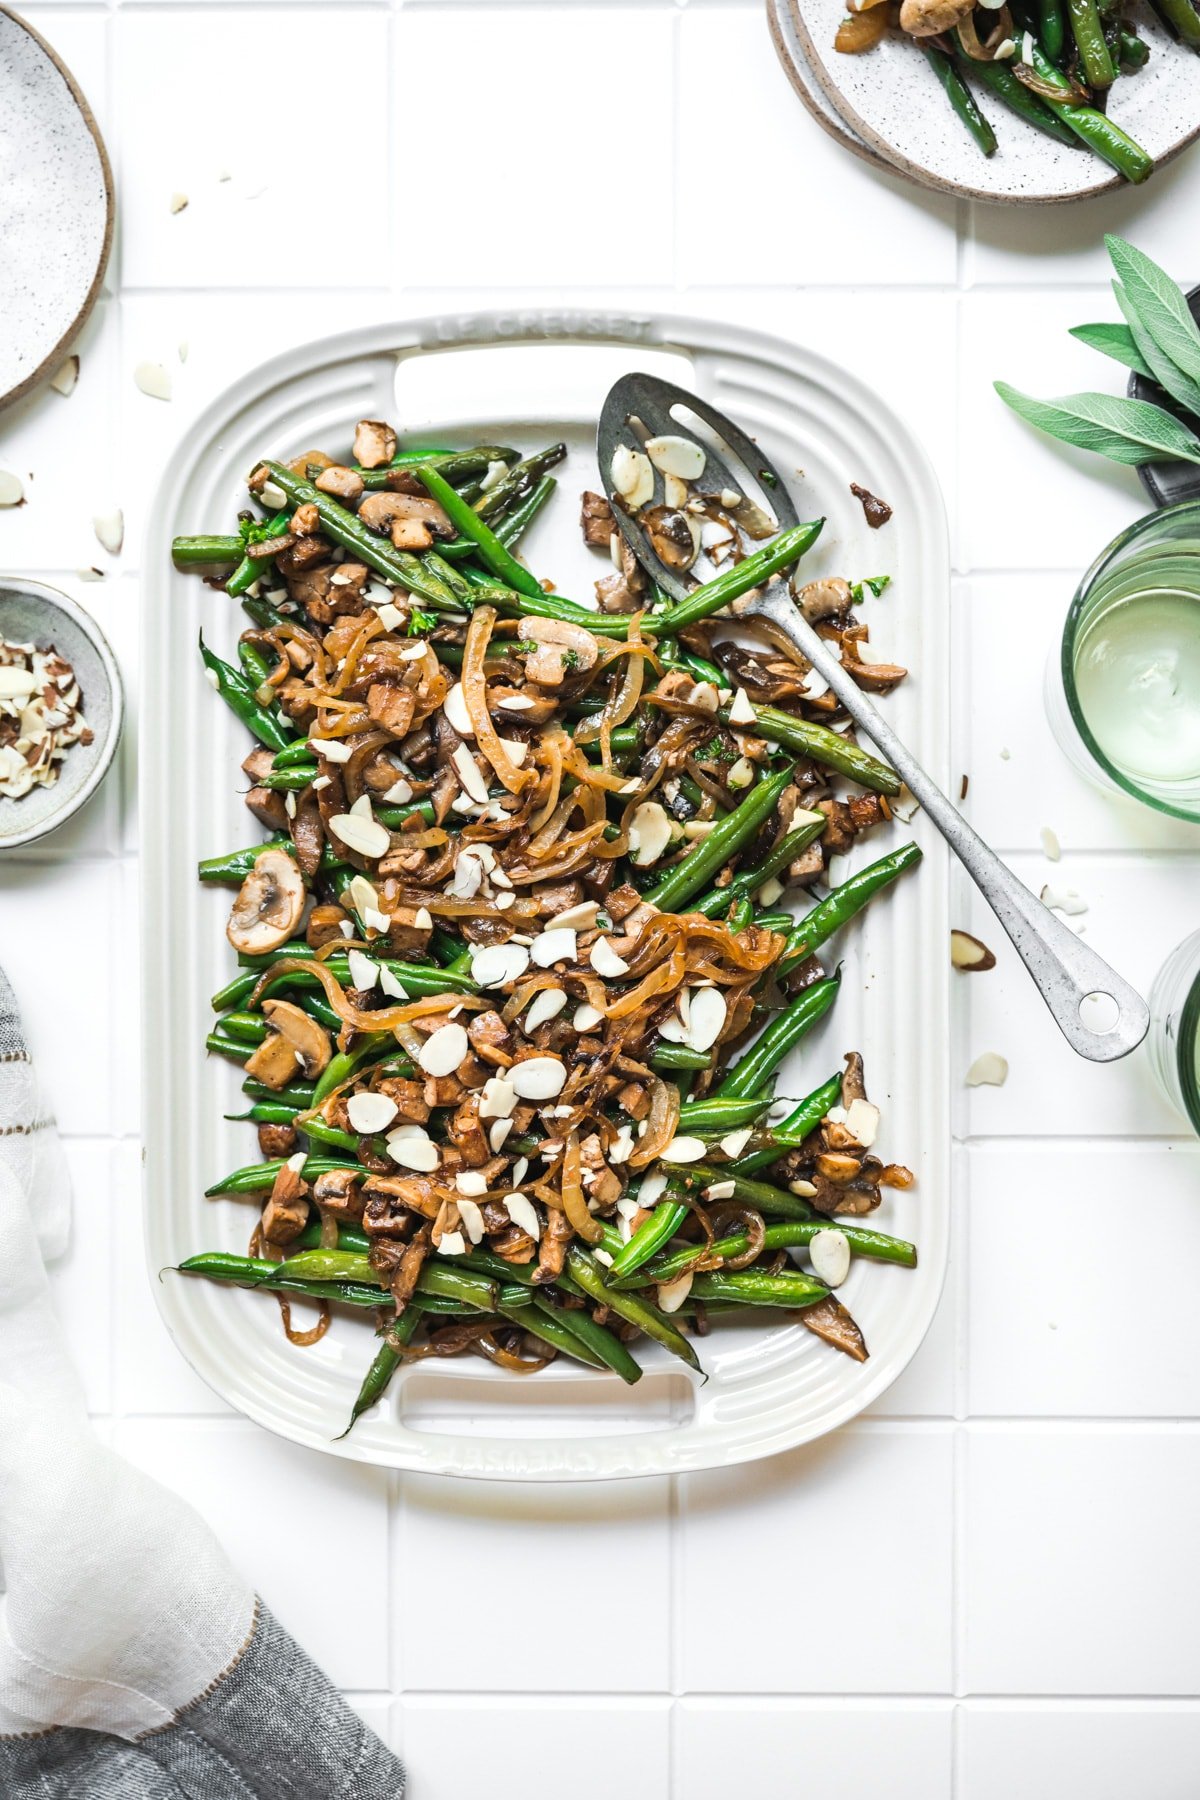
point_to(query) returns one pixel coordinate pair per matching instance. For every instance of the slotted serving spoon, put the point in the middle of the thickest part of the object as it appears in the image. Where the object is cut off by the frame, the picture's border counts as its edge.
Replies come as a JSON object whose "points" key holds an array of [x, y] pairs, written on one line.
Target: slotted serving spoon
{"points": [[1065, 970]]}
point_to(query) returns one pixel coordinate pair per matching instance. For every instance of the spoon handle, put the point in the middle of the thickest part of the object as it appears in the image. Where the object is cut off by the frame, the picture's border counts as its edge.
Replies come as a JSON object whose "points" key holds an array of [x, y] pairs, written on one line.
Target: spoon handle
{"points": [[1065, 969]]}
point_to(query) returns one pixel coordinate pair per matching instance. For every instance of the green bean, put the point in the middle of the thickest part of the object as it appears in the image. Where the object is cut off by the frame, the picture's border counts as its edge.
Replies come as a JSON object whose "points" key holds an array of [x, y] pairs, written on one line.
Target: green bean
{"points": [[1020, 99], [266, 1112], [771, 921], [455, 465], [1133, 52], [781, 1036], [223, 1046], [251, 567], [547, 1325], [1096, 130], [759, 1194], [748, 881], [517, 483], [751, 572], [1088, 33], [235, 865], [255, 1178], [666, 1058], [655, 1324], [248, 1028], [298, 1093], [821, 745], [798, 1124], [650, 1236], [512, 529], [673, 655], [961, 99], [317, 1131], [492, 553], [753, 1287], [417, 979], [700, 1117], [844, 903], [732, 834], [245, 1271], [295, 754], [235, 991], [347, 529], [1182, 18], [603, 1344], [291, 780], [341, 1067], [485, 1262], [238, 696], [256, 669], [349, 1238], [874, 1244], [386, 1361], [204, 552], [1052, 29]]}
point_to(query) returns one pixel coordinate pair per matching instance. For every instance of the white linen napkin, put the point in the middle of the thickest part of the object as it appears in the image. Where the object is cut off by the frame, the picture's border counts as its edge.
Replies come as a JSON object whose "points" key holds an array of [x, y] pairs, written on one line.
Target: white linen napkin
{"points": [[122, 1621]]}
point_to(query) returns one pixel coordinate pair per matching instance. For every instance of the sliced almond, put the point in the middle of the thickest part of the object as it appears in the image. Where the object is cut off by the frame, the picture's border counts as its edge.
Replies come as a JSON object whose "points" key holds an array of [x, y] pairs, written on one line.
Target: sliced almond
{"points": [[153, 379], [443, 1050], [829, 1253], [65, 376], [546, 1006], [369, 1112], [495, 965], [538, 1077], [706, 1018], [605, 960], [988, 1070], [12, 488], [679, 456], [967, 953], [632, 476], [672, 1294], [367, 836], [555, 945], [649, 833], [110, 529], [684, 1150]]}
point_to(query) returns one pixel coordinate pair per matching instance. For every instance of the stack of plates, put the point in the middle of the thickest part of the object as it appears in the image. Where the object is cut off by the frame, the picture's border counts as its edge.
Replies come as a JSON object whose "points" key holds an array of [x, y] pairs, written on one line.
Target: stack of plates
{"points": [[887, 106]]}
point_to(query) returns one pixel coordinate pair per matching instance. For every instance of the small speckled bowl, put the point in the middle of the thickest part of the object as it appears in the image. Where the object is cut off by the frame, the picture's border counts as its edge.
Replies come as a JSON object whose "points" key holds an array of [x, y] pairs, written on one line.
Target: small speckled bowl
{"points": [[31, 613]]}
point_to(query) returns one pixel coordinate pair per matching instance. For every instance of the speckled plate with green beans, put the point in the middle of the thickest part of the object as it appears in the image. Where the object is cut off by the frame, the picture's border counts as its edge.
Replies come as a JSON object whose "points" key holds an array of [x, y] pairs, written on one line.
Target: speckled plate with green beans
{"points": [[891, 104], [525, 378]]}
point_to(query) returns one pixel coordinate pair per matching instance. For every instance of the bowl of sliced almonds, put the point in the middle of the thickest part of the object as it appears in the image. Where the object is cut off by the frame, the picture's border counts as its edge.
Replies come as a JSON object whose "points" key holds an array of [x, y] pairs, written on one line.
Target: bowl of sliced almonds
{"points": [[61, 709]]}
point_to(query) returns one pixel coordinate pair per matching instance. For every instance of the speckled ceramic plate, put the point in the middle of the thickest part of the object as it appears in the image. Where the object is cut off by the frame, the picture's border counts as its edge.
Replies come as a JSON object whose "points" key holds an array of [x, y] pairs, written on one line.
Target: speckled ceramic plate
{"points": [[31, 613], [56, 208], [890, 99], [786, 39]]}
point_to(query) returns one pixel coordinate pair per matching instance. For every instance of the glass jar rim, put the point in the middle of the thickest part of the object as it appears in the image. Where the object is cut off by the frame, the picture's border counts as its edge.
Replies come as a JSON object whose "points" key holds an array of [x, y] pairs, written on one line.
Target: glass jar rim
{"points": [[1079, 600], [1185, 1052]]}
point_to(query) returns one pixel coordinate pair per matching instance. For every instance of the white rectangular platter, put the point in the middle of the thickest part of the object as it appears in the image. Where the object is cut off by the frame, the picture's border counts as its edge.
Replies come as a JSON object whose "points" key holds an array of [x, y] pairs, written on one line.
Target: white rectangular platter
{"points": [[527, 379]]}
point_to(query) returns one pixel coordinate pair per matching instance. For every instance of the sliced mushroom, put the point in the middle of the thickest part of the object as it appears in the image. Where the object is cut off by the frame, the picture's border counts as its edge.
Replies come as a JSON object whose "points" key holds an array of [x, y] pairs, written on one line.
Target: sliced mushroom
{"points": [[269, 905], [854, 1086], [674, 537], [273, 1062], [374, 443], [557, 641], [310, 1041], [830, 1320], [926, 18], [343, 484], [822, 599], [381, 511]]}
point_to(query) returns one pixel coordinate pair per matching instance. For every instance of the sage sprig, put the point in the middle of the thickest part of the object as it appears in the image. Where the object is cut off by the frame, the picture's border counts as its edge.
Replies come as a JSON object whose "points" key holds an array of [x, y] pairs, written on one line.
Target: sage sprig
{"points": [[1159, 340]]}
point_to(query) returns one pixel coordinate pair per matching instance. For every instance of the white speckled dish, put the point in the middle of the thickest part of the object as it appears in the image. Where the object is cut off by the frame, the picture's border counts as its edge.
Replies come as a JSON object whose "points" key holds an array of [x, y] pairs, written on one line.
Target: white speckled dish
{"points": [[56, 208], [786, 39], [31, 613], [891, 102]]}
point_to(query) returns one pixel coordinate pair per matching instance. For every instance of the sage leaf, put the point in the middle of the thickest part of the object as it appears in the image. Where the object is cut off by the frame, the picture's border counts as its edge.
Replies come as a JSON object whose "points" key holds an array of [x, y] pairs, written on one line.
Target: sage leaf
{"points": [[1159, 305], [1168, 375], [1115, 341], [1126, 431]]}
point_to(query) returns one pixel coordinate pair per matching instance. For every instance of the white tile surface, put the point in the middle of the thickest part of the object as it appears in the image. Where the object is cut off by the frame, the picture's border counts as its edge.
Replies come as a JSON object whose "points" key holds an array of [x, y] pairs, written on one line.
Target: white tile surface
{"points": [[1122, 1334], [537, 1747], [992, 1530], [770, 1749], [597, 90], [844, 227], [886, 1623], [1081, 1567], [1084, 1752], [603, 1527], [294, 1523]]}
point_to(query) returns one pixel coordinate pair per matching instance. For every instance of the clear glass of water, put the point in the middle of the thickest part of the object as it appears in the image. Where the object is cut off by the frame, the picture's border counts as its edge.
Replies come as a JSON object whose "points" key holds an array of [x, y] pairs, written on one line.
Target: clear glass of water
{"points": [[1174, 1041], [1123, 692]]}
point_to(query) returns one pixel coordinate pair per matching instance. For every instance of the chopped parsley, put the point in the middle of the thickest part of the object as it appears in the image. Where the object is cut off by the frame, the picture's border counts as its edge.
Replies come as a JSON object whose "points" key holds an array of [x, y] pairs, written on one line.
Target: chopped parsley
{"points": [[876, 583], [420, 622]]}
